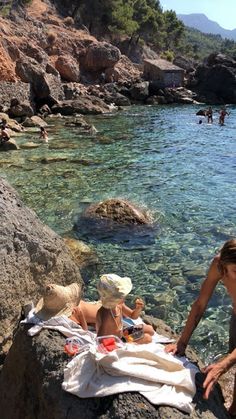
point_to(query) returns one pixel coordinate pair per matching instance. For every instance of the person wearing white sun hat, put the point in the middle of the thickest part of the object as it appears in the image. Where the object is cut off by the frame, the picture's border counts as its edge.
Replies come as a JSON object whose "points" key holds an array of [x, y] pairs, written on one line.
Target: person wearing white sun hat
{"points": [[109, 320]]}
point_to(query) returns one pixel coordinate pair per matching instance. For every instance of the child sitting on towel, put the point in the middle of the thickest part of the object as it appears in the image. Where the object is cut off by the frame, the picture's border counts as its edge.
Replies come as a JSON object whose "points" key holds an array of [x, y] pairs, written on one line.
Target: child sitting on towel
{"points": [[109, 320]]}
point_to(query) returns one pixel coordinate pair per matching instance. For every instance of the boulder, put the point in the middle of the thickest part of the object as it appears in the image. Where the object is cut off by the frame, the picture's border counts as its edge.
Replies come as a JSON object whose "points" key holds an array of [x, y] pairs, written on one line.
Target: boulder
{"points": [[117, 99], [99, 56], [31, 254], [68, 68], [185, 63], [44, 85], [116, 221], [112, 75], [119, 211], [20, 90], [84, 256], [12, 124], [20, 110], [9, 145], [31, 386], [34, 121], [140, 91], [83, 105], [218, 58], [219, 80]]}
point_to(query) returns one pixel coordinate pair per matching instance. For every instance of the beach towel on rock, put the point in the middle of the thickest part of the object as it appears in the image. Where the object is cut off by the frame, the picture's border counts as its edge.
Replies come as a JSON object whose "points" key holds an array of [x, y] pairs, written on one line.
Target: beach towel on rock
{"points": [[160, 377]]}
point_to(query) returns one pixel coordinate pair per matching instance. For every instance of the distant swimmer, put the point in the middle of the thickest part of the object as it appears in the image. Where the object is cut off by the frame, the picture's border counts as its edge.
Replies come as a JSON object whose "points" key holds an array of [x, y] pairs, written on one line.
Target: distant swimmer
{"points": [[43, 134], [5, 135], [222, 116], [209, 114]]}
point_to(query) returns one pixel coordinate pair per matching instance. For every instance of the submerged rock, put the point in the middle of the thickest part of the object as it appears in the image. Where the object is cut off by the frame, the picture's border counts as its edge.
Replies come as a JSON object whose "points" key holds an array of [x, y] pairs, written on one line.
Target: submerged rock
{"points": [[120, 211], [9, 145], [118, 221]]}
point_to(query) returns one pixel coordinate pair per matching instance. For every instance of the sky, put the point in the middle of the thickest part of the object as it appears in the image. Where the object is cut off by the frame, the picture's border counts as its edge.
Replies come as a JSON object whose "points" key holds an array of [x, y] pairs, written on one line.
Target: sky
{"points": [[221, 11]]}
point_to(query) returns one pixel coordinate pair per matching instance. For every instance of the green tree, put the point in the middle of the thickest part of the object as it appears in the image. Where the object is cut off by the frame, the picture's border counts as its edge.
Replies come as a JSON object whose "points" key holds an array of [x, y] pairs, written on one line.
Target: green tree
{"points": [[123, 21], [174, 29]]}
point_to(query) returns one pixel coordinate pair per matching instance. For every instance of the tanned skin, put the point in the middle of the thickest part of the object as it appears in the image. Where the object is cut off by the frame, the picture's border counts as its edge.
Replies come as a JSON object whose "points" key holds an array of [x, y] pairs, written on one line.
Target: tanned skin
{"points": [[213, 371]]}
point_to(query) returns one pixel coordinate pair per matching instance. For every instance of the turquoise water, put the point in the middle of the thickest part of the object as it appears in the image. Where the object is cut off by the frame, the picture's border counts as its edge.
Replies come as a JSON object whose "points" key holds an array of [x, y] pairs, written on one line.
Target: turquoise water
{"points": [[160, 158]]}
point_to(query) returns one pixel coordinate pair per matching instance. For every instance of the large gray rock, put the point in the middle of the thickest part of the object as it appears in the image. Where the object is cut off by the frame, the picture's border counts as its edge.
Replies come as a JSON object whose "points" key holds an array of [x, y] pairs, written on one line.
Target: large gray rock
{"points": [[99, 56], [9, 145], [31, 254], [68, 68], [44, 85], [119, 211], [20, 90], [118, 221], [83, 105], [215, 81], [25, 394], [140, 91]]}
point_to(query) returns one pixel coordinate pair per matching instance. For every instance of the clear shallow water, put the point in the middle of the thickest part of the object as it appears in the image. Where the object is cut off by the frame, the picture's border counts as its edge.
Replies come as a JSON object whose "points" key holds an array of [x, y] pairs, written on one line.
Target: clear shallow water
{"points": [[158, 157]]}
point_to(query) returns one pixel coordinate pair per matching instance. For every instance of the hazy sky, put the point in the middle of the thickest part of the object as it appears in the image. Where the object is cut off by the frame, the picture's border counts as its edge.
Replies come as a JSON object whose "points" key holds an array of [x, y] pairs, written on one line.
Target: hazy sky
{"points": [[221, 11]]}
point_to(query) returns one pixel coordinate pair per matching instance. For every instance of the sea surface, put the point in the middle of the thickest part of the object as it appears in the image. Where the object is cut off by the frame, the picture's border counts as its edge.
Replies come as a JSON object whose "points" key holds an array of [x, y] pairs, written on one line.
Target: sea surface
{"points": [[161, 159]]}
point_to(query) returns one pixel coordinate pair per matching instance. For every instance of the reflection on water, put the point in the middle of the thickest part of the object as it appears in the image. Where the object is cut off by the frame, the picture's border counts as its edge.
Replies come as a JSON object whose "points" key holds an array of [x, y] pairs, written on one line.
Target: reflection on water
{"points": [[158, 157]]}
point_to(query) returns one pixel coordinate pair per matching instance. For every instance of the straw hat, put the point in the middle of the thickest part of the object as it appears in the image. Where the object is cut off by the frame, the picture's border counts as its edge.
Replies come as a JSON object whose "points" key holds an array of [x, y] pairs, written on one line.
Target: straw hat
{"points": [[112, 288], [58, 300]]}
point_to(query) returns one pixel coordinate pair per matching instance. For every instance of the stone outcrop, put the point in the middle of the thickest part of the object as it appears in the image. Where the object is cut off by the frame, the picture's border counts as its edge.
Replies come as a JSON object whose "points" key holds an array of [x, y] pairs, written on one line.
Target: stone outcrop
{"points": [[215, 80], [24, 394], [19, 90], [20, 109], [68, 68], [83, 104], [31, 254], [9, 145], [44, 85], [119, 211], [99, 56]]}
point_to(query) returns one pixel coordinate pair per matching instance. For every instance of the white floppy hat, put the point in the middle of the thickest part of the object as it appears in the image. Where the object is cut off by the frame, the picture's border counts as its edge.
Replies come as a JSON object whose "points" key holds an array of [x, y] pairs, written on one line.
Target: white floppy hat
{"points": [[112, 288], [58, 300]]}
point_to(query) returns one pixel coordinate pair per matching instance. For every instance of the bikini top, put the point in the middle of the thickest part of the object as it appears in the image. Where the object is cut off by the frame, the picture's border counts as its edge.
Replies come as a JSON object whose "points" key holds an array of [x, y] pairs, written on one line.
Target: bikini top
{"points": [[119, 327]]}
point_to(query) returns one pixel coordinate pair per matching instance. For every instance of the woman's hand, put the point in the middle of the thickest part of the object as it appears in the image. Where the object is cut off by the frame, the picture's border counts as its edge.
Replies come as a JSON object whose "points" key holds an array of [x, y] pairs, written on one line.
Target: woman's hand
{"points": [[213, 371], [177, 348]]}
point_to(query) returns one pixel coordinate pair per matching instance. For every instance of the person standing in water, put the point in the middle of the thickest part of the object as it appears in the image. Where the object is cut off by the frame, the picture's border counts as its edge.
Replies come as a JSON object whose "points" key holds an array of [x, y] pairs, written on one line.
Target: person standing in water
{"points": [[222, 116], [222, 268], [209, 114], [43, 134]]}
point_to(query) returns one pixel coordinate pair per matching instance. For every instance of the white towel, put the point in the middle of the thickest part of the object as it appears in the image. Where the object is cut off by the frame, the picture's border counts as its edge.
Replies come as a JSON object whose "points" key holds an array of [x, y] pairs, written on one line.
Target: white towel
{"points": [[148, 369]]}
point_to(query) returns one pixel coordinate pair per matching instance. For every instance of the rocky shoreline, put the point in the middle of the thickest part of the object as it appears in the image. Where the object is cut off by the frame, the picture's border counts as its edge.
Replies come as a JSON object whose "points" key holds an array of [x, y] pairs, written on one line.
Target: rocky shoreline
{"points": [[49, 67]]}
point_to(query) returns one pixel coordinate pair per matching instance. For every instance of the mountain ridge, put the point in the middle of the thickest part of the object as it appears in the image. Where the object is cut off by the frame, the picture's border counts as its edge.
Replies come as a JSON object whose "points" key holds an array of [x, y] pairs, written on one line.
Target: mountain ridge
{"points": [[201, 22]]}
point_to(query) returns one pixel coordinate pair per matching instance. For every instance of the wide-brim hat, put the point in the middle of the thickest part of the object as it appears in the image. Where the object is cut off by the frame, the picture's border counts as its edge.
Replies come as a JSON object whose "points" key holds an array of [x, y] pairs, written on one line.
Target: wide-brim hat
{"points": [[112, 288], [58, 300]]}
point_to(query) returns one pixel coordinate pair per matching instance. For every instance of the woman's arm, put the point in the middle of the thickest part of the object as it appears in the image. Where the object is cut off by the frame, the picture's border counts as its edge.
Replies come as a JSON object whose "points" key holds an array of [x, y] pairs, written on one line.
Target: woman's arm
{"points": [[198, 308]]}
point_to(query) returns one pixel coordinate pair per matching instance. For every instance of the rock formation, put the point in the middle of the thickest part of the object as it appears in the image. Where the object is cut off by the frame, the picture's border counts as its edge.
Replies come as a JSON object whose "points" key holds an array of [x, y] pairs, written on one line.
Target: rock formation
{"points": [[119, 211], [24, 394], [31, 254]]}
